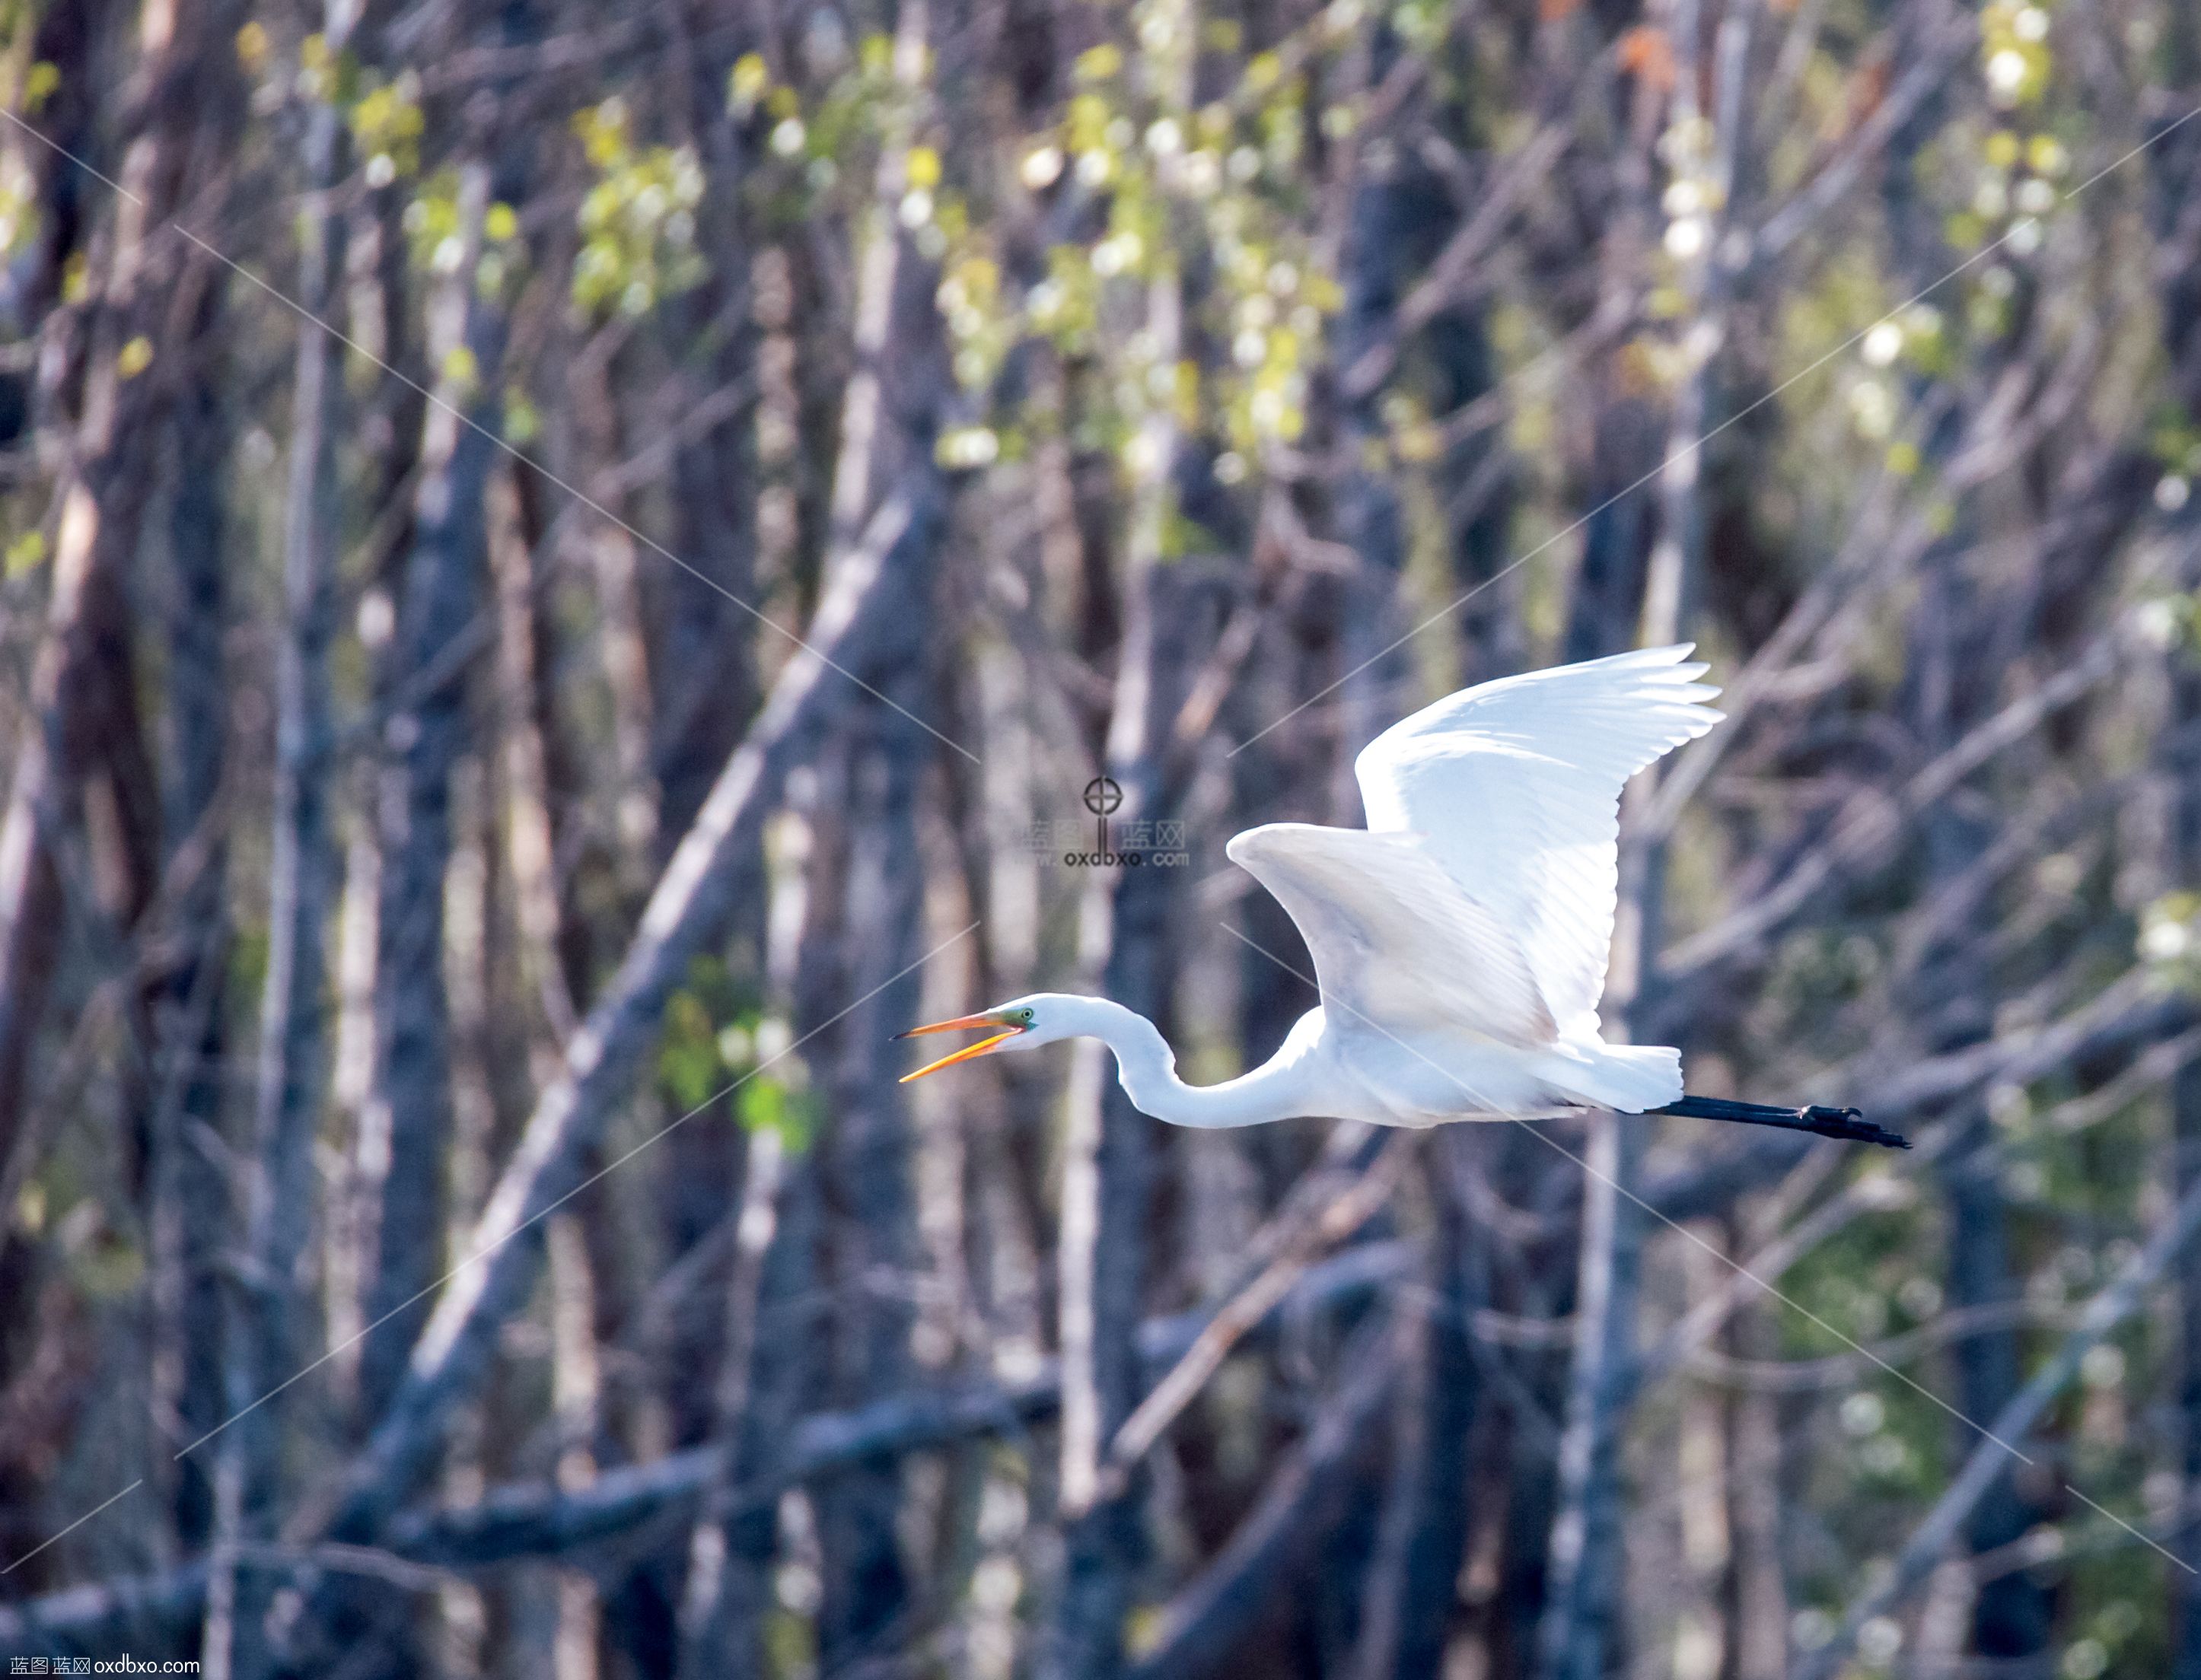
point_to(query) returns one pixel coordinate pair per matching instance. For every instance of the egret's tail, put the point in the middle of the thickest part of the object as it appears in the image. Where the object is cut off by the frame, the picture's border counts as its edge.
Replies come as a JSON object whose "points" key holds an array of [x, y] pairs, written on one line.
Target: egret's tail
{"points": [[1633, 1078], [1646, 1079], [1848, 1124]]}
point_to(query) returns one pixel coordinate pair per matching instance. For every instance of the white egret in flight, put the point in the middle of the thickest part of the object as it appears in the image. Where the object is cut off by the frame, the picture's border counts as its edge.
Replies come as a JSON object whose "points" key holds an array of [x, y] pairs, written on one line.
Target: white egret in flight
{"points": [[1460, 940]]}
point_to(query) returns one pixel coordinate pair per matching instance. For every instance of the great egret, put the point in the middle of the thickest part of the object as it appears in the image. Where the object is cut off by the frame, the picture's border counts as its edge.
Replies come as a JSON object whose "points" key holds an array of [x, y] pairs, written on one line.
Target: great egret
{"points": [[1460, 940]]}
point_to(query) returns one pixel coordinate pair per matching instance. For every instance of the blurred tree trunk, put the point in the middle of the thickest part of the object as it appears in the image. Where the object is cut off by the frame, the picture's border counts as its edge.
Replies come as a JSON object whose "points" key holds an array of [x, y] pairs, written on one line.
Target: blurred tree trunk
{"points": [[1128, 926], [1571, 1605], [185, 998], [690, 903], [260, 1338], [612, 556], [1413, 1587], [1206, 1628], [2186, 1140], [2014, 1612], [1374, 661], [187, 995], [1392, 1611], [707, 678], [1492, 637], [872, 923], [728, 1588], [1536, 1282], [1956, 681], [1756, 1606], [731, 1618], [457, 1618], [1124, 941], [83, 802], [1582, 1636], [410, 1105], [2175, 168], [1616, 592], [865, 1164], [728, 1591], [525, 723], [84, 732], [1281, 774], [80, 41], [1604, 611], [866, 1150], [379, 286], [407, 1131], [705, 668], [704, 665]]}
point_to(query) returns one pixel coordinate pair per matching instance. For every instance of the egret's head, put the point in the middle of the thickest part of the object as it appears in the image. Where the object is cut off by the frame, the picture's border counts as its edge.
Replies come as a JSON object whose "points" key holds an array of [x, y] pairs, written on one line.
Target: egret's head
{"points": [[1025, 1023]]}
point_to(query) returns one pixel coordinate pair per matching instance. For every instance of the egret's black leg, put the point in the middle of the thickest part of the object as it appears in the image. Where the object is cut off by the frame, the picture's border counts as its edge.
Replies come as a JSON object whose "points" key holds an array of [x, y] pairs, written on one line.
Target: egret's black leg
{"points": [[1847, 1123]]}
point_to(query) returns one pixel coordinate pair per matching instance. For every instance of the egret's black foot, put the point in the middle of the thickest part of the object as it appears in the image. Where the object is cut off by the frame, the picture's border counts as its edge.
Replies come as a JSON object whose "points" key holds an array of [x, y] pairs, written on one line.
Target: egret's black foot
{"points": [[1849, 1124]]}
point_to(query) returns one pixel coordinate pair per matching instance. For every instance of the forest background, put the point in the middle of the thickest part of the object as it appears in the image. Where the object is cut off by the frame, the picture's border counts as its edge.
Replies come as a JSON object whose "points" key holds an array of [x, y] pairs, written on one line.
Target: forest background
{"points": [[567, 572]]}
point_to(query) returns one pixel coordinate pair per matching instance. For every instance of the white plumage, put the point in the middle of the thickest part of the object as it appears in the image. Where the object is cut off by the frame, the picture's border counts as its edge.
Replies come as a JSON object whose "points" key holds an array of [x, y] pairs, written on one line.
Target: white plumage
{"points": [[1477, 906], [1460, 940]]}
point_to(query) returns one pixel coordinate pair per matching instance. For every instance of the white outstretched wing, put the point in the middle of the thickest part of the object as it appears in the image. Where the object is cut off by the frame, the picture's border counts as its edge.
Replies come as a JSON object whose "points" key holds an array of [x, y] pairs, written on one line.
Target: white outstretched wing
{"points": [[1397, 943], [1513, 787]]}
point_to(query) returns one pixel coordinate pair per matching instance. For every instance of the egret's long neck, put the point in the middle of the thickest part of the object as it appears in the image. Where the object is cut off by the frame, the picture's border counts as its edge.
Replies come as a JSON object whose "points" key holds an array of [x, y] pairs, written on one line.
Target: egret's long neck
{"points": [[1147, 1067]]}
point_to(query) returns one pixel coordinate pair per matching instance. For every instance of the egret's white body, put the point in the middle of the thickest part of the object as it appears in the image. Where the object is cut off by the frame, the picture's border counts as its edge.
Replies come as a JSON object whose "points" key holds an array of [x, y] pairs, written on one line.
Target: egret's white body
{"points": [[1460, 940]]}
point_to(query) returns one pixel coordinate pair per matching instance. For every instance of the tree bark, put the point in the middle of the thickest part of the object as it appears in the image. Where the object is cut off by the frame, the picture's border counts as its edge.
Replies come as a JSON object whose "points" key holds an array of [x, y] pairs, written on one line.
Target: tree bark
{"points": [[82, 735], [1413, 1592], [890, 417], [261, 1338], [539, 1519], [409, 1108], [1955, 681], [1582, 1636], [1206, 1625], [187, 995], [689, 902], [2175, 167]]}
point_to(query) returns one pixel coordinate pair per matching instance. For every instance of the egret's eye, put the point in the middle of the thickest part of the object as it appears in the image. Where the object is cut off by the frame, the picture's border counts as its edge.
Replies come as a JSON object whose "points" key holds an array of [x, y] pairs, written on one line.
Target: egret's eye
{"points": [[1030, 1015]]}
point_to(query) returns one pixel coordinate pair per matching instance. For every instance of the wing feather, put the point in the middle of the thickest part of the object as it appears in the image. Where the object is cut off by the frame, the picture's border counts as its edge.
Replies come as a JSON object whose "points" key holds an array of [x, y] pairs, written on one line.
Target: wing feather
{"points": [[1397, 942], [1514, 787]]}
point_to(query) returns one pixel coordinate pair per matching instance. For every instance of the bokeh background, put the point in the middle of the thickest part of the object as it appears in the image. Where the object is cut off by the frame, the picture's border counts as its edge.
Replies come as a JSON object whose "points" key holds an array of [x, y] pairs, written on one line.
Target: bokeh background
{"points": [[565, 571]]}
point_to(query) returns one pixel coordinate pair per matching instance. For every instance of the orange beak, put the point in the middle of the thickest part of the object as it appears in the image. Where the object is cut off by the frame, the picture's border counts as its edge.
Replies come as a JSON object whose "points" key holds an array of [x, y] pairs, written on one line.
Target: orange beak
{"points": [[962, 1024]]}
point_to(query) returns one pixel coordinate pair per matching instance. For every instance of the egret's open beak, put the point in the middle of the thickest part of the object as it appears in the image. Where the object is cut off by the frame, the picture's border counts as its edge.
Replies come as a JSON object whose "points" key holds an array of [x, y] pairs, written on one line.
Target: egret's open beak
{"points": [[962, 1024]]}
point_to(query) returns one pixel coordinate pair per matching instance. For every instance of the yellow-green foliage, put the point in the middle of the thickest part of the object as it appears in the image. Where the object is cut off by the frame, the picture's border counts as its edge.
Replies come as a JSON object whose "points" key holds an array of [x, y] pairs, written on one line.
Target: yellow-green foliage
{"points": [[386, 125], [637, 221], [718, 1046]]}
